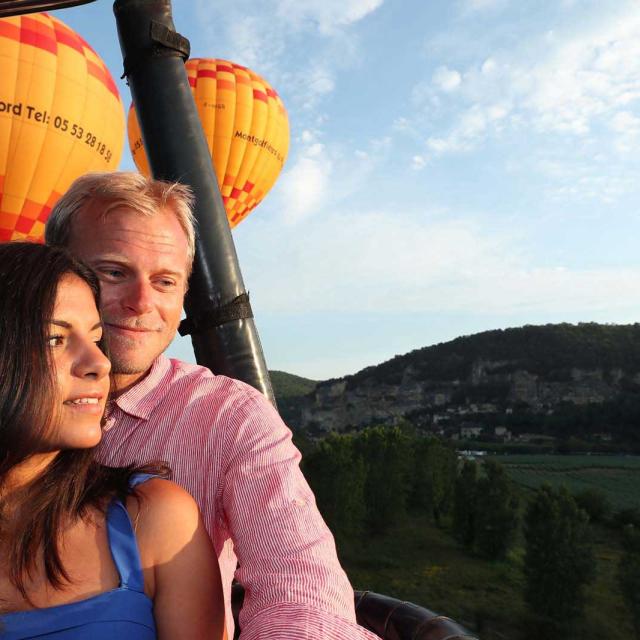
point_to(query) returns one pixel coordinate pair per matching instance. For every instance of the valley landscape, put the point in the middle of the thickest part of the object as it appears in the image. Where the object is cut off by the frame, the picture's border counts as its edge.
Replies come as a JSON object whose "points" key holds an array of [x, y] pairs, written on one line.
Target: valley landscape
{"points": [[555, 405]]}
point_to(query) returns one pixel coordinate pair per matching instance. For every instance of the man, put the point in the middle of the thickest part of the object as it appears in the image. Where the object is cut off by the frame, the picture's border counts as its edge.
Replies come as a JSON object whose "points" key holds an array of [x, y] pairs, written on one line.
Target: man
{"points": [[223, 440]]}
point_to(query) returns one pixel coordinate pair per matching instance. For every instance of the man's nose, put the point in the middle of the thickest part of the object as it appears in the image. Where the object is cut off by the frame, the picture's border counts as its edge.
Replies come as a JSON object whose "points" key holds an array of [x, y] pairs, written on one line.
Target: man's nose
{"points": [[90, 362], [138, 297]]}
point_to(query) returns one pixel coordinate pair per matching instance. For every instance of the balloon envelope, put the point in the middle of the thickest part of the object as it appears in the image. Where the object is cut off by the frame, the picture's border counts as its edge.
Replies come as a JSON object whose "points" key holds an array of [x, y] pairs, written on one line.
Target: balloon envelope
{"points": [[60, 116], [246, 127]]}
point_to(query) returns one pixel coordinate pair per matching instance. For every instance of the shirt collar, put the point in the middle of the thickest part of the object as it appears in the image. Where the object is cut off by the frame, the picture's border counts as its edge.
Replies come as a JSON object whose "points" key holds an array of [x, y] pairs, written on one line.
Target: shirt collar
{"points": [[143, 397]]}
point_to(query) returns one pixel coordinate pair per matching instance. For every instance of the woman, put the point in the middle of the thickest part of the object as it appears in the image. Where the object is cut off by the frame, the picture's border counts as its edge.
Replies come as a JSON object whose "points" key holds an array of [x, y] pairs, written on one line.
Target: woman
{"points": [[70, 564]]}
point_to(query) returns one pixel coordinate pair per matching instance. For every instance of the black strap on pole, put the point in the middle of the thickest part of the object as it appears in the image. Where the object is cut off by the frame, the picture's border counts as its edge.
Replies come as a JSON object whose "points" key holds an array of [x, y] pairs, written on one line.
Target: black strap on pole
{"points": [[219, 320], [238, 308]]}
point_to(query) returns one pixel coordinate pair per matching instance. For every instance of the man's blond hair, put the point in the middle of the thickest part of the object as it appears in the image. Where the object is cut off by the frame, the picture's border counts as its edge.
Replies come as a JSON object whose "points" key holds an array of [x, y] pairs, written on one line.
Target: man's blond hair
{"points": [[121, 189]]}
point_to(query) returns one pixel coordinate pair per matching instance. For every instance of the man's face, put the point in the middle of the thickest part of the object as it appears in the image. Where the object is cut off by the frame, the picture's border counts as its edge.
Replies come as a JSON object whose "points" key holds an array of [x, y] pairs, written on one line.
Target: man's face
{"points": [[142, 266]]}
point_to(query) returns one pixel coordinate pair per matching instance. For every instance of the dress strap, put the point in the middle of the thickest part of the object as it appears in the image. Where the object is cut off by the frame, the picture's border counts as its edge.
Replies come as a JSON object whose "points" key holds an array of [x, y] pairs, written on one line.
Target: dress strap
{"points": [[123, 543]]}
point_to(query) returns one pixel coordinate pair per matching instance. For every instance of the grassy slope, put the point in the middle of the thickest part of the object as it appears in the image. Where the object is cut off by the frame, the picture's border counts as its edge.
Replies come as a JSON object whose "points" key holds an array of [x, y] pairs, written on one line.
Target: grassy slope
{"points": [[418, 562], [618, 477], [286, 385]]}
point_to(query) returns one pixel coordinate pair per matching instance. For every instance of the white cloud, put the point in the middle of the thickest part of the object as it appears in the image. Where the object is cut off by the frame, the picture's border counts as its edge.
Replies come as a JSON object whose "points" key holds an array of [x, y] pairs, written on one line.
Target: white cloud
{"points": [[418, 163], [253, 42], [321, 176], [313, 83], [446, 79], [470, 130], [422, 263], [626, 127], [263, 36], [580, 82], [328, 15], [307, 136], [488, 66], [402, 124], [471, 6], [304, 186]]}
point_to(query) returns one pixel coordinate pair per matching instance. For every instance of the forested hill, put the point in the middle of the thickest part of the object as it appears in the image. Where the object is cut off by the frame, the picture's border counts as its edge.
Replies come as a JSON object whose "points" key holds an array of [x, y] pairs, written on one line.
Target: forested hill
{"points": [[493, 378], [288, 385], [544, 350]]}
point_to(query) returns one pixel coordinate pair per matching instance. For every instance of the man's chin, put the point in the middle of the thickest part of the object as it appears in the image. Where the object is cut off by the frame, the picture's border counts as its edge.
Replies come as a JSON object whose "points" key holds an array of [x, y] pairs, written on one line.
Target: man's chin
{"points": [[132, 359], [130, 364], [130, 369]]}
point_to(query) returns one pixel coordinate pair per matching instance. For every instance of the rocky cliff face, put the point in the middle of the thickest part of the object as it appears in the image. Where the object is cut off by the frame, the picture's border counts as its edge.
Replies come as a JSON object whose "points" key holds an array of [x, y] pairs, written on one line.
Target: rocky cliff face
{"points": [[545, 377], [491, 387]]}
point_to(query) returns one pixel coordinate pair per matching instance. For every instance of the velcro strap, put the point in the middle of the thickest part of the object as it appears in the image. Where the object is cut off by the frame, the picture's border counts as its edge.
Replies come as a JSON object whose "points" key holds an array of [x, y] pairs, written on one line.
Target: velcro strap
{"points": [[237, 309], [164, 43], [162, 35]]}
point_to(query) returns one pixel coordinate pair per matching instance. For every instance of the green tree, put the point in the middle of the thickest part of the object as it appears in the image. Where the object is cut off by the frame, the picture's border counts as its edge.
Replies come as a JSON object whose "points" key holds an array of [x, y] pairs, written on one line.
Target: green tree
{"points": [[496, 512], [434, 475], [559, 560], [389, 461], [595, 503], [337, 474], [629, 574], [464, 506]]}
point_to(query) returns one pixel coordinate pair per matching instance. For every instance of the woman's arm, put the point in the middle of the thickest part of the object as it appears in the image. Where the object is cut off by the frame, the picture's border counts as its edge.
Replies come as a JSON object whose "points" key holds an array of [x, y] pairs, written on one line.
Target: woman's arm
{"points": [[181, 569]]}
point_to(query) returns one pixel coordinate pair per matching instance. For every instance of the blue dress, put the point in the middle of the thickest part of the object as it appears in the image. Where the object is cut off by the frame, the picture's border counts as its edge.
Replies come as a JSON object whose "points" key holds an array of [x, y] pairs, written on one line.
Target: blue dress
{"points": [[125, 613]]}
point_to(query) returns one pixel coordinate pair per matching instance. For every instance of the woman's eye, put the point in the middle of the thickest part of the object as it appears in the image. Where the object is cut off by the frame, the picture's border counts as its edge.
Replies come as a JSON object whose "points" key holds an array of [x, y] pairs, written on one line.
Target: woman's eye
{"points": [[55, 341]]}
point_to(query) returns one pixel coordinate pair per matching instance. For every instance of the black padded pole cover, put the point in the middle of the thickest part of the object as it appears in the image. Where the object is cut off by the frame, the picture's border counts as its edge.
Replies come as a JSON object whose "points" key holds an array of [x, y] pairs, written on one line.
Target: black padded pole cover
{"points": [[388, 618], [17, 7], [154, 57], [393, 619]]}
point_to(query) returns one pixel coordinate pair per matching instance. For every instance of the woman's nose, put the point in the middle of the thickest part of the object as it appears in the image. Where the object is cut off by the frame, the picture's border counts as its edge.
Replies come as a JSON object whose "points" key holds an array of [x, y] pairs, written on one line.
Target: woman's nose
{"points": [[91, 362]]}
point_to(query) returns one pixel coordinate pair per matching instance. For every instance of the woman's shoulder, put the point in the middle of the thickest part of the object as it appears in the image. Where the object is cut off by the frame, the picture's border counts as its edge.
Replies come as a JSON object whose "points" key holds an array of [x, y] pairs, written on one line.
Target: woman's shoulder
{"points": [[158, 507]]}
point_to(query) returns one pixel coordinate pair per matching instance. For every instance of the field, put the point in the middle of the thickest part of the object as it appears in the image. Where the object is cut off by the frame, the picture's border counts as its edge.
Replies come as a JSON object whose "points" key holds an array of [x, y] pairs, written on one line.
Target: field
{"points": [[421, 563], [618, 477]]}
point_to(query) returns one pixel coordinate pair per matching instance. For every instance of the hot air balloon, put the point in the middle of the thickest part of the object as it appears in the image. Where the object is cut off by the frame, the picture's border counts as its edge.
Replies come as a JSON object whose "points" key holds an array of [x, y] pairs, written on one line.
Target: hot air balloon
{"points": [[246, 127], [60, 116]]}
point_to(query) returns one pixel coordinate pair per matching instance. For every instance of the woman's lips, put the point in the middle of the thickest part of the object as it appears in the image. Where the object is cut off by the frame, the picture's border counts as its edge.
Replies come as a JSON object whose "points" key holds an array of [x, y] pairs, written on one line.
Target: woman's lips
{"points": [[88, 404]]}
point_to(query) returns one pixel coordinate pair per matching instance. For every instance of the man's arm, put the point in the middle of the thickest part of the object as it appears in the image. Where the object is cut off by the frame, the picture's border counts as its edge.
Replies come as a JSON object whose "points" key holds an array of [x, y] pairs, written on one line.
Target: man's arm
{"points": [[294, 584]]}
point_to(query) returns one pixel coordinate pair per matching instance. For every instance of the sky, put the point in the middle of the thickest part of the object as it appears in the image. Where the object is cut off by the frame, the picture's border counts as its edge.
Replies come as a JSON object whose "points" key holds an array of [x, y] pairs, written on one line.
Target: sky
{"points": [[455, 166]]}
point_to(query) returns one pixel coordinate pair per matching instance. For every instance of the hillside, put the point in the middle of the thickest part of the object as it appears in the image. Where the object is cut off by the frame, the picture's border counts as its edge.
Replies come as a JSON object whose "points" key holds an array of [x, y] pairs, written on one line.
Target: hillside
{"points": [[288, 385], [290, 391], [551, 349], [560, 380]]}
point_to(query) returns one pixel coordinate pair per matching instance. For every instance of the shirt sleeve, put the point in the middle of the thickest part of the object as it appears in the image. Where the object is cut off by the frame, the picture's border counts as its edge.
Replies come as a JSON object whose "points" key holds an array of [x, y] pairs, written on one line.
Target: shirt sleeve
{"points": [[294, 584]]}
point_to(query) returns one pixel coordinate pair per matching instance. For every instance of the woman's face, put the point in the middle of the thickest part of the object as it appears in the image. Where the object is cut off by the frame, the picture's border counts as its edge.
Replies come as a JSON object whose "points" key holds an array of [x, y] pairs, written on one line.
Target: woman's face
{"points": [[81, 369]]}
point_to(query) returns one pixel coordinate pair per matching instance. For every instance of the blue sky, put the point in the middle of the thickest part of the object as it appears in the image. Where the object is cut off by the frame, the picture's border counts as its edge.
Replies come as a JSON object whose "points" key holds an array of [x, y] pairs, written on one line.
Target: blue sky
{"points": [[455, 166]]}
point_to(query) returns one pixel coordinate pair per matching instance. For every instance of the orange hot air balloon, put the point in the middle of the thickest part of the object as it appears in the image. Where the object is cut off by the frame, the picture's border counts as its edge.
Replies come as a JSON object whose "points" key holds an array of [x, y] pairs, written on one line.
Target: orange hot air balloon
{"points": [[60, 116], [246, 127]]}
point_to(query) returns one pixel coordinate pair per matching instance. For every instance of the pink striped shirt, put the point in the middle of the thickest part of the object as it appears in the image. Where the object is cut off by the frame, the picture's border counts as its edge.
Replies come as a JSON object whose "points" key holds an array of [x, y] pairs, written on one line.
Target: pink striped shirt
{"points": [[229, 448]]}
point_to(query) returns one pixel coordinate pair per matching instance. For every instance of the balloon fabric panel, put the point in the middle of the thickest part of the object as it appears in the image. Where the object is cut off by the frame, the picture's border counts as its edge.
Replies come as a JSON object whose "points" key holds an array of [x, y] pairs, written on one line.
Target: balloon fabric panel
{"points": [[246, 128], [242, 186], [60, 116]]}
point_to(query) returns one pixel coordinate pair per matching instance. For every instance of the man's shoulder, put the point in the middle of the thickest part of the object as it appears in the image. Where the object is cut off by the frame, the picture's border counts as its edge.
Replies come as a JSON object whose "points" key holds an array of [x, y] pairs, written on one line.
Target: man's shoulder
{"points": [[197, 381]]}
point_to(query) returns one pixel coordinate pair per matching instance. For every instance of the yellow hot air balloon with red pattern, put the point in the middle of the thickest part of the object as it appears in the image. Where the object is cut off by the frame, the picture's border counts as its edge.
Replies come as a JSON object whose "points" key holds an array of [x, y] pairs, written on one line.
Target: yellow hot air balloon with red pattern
{"points": [[60, 116], [246, 127]]}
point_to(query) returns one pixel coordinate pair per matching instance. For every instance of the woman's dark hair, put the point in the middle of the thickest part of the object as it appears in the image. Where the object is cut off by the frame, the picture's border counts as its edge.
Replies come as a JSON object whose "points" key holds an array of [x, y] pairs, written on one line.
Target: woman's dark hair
{"points": [[73, 482]]}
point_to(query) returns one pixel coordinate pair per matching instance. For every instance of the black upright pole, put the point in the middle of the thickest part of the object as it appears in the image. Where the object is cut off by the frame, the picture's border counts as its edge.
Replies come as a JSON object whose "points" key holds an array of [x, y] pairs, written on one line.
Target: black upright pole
{"points": [[219, 319]]}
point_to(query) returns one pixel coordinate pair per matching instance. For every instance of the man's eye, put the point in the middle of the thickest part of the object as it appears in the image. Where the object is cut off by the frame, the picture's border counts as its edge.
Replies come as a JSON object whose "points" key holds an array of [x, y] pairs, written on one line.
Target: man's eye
{"points": [[55, 341], [167, 283]]}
